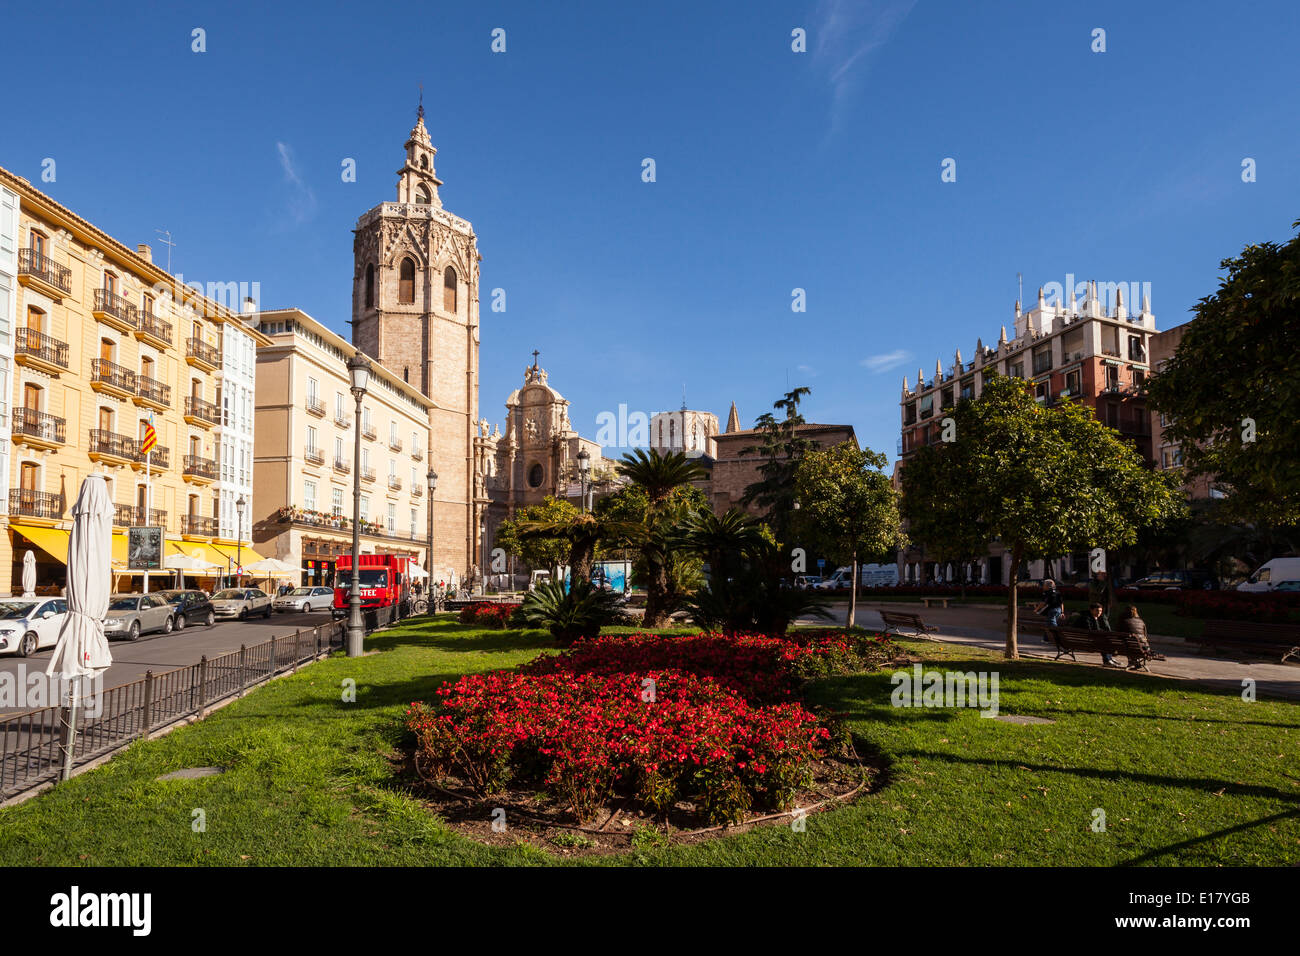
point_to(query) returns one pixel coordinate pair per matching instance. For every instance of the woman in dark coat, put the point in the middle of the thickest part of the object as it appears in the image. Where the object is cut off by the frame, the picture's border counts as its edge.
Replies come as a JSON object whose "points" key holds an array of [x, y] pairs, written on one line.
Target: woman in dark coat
{"points": [[1131, 622]]}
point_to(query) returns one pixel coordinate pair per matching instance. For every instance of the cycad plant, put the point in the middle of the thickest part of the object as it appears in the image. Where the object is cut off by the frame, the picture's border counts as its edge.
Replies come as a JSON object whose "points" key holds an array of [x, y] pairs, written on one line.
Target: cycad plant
{"points": [[579, 613]]}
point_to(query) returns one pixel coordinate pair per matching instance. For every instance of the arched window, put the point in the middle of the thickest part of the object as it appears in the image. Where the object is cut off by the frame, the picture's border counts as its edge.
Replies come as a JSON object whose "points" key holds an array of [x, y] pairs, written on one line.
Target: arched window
{"points": [[370, 285], [422, 196], [406, 283], [449, 290], [535, 476], [424, 162]]}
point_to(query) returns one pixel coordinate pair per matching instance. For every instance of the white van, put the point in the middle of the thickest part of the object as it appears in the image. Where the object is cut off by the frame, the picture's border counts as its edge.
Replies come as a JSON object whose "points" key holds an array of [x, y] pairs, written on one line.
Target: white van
{"points": [[1271, 574]]}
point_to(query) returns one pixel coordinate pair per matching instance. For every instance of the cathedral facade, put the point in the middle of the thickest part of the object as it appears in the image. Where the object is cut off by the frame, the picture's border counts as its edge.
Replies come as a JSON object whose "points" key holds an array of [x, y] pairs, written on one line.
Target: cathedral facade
{"points": [[415, 308]]}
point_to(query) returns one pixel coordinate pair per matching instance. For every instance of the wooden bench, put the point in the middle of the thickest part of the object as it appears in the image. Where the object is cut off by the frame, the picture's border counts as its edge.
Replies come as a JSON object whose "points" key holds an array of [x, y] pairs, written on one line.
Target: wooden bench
{"points": [[942, 600], [1115, 643], [900, 619], [1250, 637]]}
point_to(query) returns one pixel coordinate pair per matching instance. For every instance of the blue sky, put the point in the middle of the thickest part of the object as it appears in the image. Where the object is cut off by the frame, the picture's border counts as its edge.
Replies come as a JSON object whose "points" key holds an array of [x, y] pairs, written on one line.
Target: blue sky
{"points": [[775, 170]]}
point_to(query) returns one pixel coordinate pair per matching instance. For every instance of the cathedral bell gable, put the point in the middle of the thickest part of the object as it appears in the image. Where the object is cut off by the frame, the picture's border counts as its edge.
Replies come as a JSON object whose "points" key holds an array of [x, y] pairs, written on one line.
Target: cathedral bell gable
{"points": [[417, 182]]}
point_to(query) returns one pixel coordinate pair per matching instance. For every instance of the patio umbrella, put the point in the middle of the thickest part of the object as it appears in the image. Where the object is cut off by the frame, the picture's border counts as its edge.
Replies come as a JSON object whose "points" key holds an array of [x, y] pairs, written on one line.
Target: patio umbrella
{"points": [[81, 650], [271, 566], [417, 572], [186, 562], [29, 575]]}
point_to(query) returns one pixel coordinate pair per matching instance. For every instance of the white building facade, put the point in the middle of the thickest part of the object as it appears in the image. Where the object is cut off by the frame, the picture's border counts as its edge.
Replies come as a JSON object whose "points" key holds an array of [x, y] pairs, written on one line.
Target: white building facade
{"points": [[238, 386], [8, 312]]}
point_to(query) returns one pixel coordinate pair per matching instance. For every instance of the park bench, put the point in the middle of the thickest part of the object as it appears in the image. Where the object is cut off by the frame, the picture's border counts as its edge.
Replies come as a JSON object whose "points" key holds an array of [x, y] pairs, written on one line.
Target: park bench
{"points": [[1115, 643], [943, 600], [900, 619], [1250, 637]]}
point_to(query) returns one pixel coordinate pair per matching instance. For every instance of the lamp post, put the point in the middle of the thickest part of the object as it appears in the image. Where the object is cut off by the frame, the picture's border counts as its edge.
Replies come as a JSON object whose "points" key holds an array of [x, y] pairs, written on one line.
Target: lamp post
{"points": [[584, 465], [433, 485], [359, 374], [239, 539]]}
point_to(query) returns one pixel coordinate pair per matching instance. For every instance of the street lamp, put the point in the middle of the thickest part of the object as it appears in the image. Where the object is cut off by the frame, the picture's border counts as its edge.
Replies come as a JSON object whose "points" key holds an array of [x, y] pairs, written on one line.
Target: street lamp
{"points": [[584, 464], [359, 374], [239, 539], [433, 485]]}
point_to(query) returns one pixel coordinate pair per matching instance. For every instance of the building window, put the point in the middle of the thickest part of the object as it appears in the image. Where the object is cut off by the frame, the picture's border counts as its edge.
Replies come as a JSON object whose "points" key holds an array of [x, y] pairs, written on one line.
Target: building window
{"points": [[406, 283], [365, 507], [422, 194], [968, 388], [449, 290], [1112, 376], [313, 391], [338, 449], [1042, 359], [390, 520], [309, 495], [370, 285], [1136, 351], [946, 398], [1018, 370], [311, 438], [927, 405], [536, 475], [1072, 383], [336, 502]]}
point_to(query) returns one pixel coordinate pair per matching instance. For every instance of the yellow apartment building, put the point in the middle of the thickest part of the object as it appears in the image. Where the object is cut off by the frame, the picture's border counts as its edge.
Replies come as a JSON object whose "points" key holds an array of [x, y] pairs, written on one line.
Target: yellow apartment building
{"points": [[106, 344], [304, 448]]}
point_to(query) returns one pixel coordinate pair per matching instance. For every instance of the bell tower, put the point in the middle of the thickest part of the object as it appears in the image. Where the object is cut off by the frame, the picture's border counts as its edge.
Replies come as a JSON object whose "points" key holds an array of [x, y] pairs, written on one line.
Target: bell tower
{"points": [[415, 309]]}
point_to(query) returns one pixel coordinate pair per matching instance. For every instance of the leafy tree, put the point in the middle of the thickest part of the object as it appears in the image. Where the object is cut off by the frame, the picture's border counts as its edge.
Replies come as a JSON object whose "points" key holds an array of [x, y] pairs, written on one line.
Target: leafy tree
{"points": [[538, 551], [848, 505], [581, 531], [1045, 480], [659, 477], [781, 446], [1232, 388]]}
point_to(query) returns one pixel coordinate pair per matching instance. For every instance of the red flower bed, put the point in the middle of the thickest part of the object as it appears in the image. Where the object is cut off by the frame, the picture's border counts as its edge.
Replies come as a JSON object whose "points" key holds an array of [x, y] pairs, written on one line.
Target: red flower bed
{"points": [[705, 719], [488, 613], [1236, 606]]}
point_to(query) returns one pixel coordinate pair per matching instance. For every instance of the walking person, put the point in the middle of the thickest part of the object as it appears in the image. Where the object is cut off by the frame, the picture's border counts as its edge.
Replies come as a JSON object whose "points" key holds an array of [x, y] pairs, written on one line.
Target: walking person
{"points": [[1052, 606]]}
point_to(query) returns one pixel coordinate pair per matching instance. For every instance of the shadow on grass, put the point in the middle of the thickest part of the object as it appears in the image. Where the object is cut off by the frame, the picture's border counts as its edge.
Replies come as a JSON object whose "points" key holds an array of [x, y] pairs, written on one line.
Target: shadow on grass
{"points": [[1152, 855]]}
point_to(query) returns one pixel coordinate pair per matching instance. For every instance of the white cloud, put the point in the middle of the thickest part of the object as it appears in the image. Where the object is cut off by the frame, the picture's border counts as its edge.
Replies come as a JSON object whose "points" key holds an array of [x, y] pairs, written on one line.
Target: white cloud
{"points": [[845, 35], [302, 199], [885, 361]]}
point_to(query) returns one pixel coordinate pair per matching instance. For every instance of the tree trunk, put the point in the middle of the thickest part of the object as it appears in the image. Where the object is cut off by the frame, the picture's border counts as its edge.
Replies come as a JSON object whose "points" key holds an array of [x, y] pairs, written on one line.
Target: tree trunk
{"points": [[581, 558], [1013, 581], [656, 594], [853, 590]]}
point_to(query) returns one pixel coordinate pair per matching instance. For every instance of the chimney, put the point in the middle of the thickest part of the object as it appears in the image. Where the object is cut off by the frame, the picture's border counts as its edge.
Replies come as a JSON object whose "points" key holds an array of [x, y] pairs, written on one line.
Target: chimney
{"points": [[250, 306], [144, 252]]}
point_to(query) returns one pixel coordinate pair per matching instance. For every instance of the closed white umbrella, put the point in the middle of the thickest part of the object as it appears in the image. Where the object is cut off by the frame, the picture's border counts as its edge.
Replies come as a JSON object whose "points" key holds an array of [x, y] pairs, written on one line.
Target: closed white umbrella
{"points": [[29, 575], [82, 650]]}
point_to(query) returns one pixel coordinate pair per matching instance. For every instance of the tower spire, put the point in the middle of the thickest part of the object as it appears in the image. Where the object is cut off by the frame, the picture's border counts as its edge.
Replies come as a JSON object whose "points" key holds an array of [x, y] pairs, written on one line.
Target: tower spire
{"points": [[733, 419], [419, 112]]}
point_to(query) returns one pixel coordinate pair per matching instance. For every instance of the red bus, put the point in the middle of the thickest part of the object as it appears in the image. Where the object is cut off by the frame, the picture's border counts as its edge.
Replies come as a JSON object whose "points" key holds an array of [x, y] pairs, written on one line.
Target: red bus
{"points": [[385, 581]]}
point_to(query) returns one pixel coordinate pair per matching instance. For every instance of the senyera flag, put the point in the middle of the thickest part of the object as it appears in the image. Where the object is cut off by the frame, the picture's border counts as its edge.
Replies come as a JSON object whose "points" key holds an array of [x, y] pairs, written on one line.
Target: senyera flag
{"points": [[150, 439]]}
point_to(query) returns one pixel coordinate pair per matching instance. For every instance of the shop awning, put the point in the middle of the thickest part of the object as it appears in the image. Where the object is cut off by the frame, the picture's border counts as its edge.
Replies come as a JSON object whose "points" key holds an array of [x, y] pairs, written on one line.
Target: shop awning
{"points": [[53, 541], [204, 552]]}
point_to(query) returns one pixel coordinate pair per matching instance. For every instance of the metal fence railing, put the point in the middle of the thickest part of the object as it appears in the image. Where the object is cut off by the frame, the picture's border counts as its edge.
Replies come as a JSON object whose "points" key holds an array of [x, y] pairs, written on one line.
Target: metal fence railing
{"points": [[33, 745]]}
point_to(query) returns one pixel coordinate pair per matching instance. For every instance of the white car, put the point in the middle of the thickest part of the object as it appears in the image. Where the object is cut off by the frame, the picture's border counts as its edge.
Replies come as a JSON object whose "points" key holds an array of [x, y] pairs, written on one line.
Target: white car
{"points": [[29, 624], [305, 599], [242, 603]]}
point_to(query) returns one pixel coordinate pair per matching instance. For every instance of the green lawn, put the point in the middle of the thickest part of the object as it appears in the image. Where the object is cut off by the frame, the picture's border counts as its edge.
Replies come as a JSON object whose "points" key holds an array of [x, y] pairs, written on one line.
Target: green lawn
{"points": [[1184, 776]]}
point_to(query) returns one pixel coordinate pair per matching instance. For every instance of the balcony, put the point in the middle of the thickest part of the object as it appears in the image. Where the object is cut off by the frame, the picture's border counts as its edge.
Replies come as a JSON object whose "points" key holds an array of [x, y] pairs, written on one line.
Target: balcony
{"points": [[111, 447], [112, 379], [199, 412], [40, 351], [197, 526], [315, 406], [40, 272], [151, 393], [342, 466], [37, 429], [417, 454], [131, 516], [394, 483], [367, 474], [113, 310], [394, 444], [202, 355], [417, 490], [314, 456], [160, 459], [35, 504], [199, 470], [157, 332], [368, 432], [342, 419]]}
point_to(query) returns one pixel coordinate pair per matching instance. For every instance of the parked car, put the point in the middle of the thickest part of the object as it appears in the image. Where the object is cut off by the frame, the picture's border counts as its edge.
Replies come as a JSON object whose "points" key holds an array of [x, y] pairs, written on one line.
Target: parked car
{"points": [[305, 599], [1271, 573], [242, 603], [192, 607], [807, 582], [1174, 581], [130, 615], [29, 624]]}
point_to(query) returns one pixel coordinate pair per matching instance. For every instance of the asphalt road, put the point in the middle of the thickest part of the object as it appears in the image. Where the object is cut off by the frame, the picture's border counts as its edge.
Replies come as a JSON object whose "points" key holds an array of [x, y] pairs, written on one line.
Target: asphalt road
{"points": [[162, 652]]}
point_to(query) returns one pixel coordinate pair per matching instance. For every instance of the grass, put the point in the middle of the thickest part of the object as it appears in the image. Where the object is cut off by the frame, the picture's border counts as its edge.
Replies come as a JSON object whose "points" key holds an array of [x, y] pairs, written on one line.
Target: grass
{"points": [[1184, 775]]}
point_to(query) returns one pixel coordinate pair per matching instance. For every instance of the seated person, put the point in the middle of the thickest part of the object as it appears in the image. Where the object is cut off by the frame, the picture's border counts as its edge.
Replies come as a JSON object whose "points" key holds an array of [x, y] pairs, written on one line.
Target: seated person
{"points": [[1094, 619]]}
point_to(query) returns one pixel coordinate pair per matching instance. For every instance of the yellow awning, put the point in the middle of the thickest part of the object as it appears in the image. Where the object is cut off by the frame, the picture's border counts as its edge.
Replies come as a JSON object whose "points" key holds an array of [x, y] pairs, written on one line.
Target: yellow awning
{"points": [[204, 552], [53, 541], [245, 554]]}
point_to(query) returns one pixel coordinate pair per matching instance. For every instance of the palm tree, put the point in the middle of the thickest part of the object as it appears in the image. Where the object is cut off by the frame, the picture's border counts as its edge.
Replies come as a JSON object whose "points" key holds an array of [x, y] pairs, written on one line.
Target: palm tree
{"points": [[582, 532], [658, 475], [723, 541]]}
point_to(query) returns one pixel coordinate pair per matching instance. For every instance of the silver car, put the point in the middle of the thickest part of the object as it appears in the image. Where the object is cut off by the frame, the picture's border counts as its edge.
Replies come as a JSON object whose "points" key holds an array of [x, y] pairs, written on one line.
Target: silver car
{"points": [[130, 615], [241, 603], [305, 599]]}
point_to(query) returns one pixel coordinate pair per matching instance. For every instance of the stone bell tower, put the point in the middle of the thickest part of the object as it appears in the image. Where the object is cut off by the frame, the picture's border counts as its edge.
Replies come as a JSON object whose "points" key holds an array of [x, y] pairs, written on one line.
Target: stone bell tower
{"points": [[415, 309]]}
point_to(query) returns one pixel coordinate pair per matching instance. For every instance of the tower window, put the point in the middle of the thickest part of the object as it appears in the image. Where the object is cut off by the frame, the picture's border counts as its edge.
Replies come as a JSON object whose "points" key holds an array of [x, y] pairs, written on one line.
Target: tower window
{"points": [[406, 285], [422, 197], [449, 290], [370, 285]]}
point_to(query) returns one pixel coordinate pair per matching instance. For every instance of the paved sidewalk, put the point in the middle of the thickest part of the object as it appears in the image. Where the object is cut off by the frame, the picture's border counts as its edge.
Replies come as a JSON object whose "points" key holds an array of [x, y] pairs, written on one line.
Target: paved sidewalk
{"points": [[984, 625]]}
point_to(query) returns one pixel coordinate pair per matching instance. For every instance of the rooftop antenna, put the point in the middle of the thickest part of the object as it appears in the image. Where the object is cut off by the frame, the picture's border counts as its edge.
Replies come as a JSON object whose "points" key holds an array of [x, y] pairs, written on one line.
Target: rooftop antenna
{"points": [[168, 243]]}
